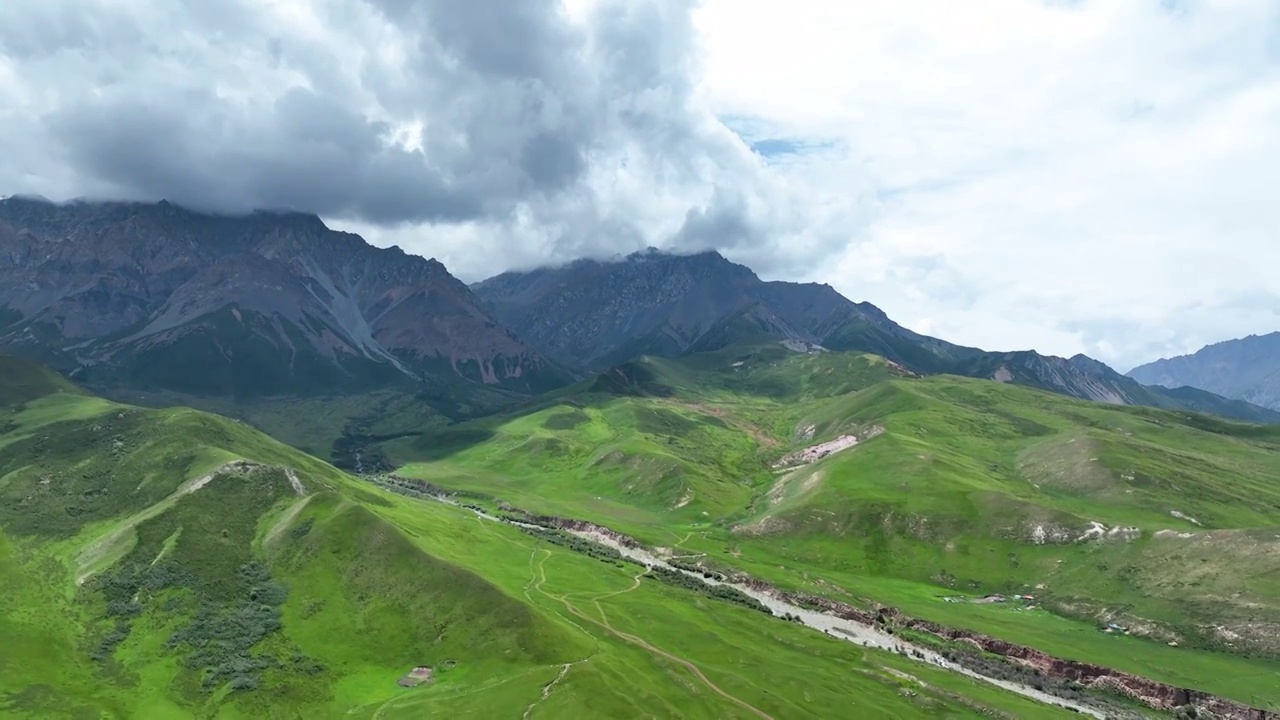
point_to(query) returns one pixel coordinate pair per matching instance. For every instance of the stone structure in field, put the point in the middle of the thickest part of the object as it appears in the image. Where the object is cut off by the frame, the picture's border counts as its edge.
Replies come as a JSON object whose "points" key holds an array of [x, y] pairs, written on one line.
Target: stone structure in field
{"points": [[416, 677]]}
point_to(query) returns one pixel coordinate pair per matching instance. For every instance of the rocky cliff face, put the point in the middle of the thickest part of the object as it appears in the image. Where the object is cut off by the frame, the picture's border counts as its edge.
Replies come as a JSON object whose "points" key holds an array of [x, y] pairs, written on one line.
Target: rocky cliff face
{"points": [[1247, 369], [595, 314], [158, 296]]}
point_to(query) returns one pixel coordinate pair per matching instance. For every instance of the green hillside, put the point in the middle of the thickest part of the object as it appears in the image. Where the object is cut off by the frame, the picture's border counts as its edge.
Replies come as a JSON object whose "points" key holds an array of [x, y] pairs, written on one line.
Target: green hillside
{"points": [[1166, 524], [171, 563]]}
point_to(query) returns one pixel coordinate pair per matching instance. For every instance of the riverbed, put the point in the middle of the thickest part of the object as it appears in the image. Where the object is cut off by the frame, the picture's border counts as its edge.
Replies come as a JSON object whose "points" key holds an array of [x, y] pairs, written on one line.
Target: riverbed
{"points": [[833, 626]]}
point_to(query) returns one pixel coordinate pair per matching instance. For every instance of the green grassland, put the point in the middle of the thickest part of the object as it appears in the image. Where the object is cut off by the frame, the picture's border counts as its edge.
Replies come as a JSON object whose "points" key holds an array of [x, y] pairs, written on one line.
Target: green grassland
{"points": [[171, 563], [969, 487]]}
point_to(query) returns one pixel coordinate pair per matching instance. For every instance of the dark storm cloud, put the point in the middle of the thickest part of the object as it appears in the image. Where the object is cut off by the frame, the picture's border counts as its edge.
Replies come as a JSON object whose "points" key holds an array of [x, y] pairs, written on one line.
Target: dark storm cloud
{"points": [[526, 39], [304, 152], [493, 105], [721, 224]]}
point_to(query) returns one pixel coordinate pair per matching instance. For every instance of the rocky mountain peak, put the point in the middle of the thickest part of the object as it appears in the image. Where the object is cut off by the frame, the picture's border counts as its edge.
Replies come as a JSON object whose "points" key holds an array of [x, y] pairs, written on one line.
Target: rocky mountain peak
{"points": [[102, 287]]}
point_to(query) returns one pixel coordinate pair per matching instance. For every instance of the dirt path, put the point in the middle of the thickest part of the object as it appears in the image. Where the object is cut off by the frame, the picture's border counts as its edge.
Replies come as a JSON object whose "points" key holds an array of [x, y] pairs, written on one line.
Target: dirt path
{"points": [[638, 642], [294, 482], [746, 426], [635, 583], [414, 698], [285, 519], [546, 689]]}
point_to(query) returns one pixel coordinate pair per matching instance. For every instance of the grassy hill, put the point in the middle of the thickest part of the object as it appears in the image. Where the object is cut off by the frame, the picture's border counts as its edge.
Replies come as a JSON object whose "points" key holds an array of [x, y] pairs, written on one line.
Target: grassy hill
{"points": [[1166, 524], [171, 563], [651, 440]]}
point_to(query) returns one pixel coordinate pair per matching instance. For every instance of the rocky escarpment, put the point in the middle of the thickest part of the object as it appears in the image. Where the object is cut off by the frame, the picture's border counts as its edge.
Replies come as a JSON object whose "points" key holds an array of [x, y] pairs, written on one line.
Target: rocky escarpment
{"points": [[814, 453], [1153, 694], [583, 526]]}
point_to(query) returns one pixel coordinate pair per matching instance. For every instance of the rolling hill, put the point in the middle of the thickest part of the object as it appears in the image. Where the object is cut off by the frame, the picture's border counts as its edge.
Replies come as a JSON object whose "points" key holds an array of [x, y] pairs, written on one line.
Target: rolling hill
{"points": [[846, 476], [172, 563]]}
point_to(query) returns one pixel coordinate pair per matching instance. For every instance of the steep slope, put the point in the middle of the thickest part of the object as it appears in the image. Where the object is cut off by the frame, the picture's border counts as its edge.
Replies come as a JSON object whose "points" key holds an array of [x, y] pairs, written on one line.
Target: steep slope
{"points": [[170, 563], [840, 475], [1247, 369], [265, 304], [593, 314], [177, 564]]}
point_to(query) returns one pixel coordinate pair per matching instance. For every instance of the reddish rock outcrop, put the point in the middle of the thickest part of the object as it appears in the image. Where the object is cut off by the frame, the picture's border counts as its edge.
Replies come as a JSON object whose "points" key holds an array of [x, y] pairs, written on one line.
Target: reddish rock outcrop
{"points": [[1151, 693]]}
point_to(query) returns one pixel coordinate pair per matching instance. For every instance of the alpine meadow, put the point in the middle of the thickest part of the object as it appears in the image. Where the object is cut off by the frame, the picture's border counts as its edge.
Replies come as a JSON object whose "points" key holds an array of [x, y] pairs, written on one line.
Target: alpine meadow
{"points": [[639, 360]]}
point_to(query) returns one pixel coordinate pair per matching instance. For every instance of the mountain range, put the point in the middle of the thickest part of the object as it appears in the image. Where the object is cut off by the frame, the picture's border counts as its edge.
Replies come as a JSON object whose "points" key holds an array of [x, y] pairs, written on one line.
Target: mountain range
{"points": [[1246, 369], [160, 297], [592, 314]]}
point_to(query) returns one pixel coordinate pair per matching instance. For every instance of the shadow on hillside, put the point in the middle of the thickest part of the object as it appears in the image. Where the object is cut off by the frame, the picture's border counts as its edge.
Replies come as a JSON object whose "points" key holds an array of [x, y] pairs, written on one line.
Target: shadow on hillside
{"points": [[445, 442], [441, 444]]}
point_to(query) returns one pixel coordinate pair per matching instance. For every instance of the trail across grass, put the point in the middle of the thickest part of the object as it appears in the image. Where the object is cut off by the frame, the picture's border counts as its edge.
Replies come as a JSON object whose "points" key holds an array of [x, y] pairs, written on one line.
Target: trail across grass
{"points": [[639, 642]]}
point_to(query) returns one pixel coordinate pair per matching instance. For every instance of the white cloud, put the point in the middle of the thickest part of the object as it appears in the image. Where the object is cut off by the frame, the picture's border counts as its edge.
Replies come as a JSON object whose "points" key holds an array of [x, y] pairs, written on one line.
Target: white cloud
{"points": [[1067, 169]]}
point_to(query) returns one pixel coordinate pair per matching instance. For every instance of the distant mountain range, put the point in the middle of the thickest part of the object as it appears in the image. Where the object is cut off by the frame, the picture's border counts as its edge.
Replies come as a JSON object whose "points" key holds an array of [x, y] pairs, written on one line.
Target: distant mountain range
{"points": [[1246, 369], [158, 297], [590, 315]]}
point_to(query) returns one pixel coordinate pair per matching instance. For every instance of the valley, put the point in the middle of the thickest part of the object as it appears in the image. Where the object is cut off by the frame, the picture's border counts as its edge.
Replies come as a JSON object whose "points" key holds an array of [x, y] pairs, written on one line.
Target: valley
{"points": [[771, 600], [217, 590], [1161, 524]]}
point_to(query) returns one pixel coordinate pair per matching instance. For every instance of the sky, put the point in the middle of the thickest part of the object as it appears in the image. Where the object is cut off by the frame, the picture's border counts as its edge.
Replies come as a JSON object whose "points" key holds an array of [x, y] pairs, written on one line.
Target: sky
{"points": [[1093, 176]]}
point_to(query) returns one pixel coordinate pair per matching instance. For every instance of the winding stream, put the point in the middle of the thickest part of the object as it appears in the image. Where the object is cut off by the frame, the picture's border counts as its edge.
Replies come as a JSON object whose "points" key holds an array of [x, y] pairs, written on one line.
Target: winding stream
{"points": [[833, 626], [841, 628]]}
